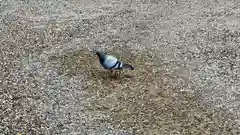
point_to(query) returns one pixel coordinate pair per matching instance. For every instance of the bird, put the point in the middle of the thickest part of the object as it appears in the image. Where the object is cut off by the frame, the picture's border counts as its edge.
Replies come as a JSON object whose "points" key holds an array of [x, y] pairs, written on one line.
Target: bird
{"points": [[111, 63]]}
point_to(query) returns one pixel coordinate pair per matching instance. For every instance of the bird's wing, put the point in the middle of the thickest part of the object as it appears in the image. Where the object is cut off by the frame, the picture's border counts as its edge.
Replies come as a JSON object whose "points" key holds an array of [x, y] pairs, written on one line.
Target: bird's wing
{"points": [[110, 61]]}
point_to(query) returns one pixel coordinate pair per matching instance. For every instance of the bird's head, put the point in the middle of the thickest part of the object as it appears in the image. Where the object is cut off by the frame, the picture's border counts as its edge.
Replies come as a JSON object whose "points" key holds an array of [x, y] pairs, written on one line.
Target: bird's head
{"points": [[101, 55]]}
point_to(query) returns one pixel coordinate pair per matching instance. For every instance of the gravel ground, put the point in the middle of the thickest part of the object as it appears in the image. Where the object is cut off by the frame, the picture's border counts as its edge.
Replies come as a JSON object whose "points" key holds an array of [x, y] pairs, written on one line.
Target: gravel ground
{"points": [[186, 55]]}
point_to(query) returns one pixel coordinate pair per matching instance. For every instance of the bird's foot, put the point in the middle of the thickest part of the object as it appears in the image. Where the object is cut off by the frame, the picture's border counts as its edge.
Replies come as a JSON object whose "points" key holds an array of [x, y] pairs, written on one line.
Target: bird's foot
{"points": [[114, 74]]}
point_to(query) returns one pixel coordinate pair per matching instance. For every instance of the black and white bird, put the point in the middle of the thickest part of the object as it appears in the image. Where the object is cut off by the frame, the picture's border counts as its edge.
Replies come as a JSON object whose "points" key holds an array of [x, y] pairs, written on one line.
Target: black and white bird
{"points": [[112, 63]]}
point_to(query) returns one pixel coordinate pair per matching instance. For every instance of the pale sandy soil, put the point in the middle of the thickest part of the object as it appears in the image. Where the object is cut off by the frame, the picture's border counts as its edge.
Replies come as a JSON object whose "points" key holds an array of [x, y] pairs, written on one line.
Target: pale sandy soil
{"points": [[186, 55]]}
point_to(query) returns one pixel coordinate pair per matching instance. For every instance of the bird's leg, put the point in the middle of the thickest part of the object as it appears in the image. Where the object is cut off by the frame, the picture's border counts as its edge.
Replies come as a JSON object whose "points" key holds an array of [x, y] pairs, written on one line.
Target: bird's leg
{"points": [[117, 73], [114, 73], [111, 72], [121, 72]]}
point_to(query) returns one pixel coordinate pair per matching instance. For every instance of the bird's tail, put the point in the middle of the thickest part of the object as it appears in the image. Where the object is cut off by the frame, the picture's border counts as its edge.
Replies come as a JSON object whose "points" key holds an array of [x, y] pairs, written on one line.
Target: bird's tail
{"points": [[127, 66]]}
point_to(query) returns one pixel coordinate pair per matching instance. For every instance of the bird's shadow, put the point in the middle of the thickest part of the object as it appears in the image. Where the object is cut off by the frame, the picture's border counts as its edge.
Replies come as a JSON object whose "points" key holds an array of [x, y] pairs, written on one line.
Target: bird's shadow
{"points": [[107, 75]]}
